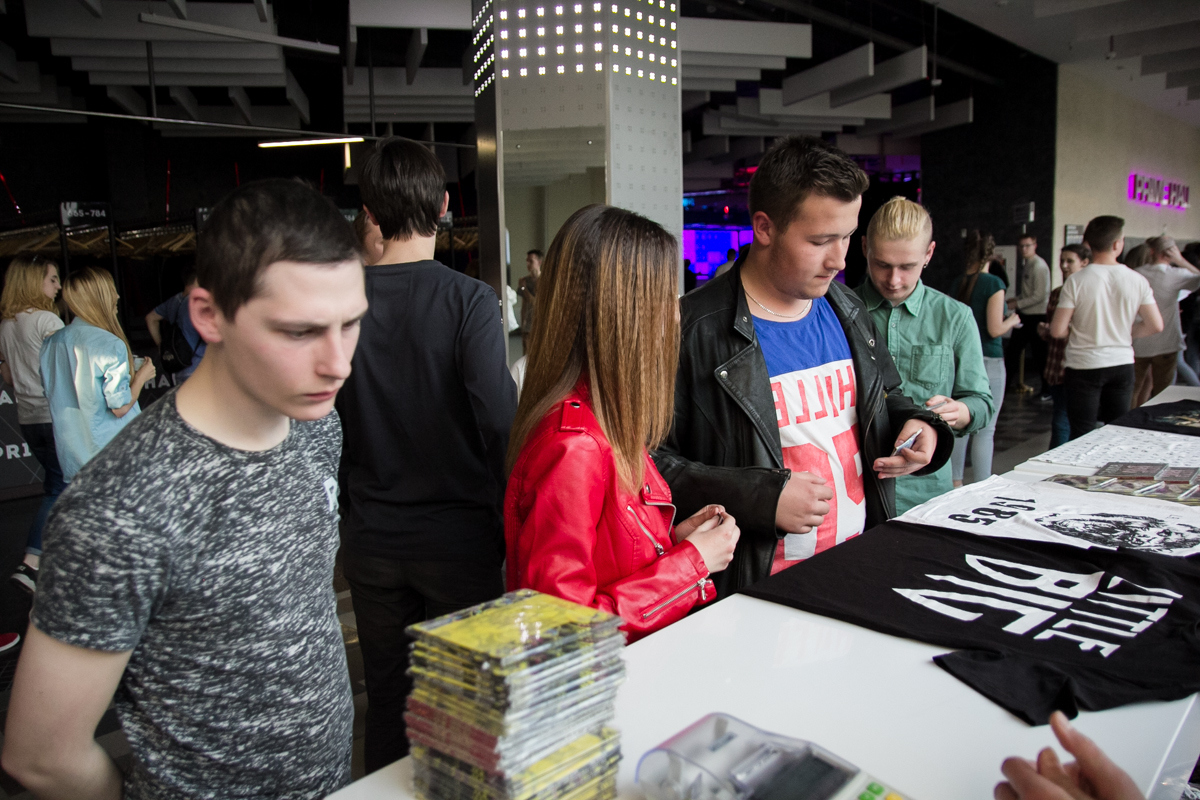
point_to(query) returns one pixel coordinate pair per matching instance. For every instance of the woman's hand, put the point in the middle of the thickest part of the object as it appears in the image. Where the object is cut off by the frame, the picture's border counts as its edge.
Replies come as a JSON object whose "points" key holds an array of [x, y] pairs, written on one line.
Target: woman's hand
{"points": [[956, 414], [145, 372], [713, 533]]}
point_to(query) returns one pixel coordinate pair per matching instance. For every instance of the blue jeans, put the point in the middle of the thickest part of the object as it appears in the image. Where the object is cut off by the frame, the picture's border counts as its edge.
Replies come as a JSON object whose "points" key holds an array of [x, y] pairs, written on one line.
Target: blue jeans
{"points": [[40, 438], [1060, 426], [982, 442]]}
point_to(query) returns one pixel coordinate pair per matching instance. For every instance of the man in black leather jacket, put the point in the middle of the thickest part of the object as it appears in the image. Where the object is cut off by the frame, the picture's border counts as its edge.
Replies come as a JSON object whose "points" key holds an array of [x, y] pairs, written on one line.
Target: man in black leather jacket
{"points": [[731, 404]]}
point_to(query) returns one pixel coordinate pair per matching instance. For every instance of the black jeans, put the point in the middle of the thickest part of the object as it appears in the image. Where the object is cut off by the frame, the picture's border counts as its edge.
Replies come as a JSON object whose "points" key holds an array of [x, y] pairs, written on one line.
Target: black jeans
{"points": [[1097, 394], [389, 595], [40, 438], [1025, 340]]}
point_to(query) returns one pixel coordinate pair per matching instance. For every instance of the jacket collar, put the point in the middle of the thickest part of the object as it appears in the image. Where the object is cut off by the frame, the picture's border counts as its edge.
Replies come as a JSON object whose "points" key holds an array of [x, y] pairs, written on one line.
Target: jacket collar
{"points": [[912, 303], [742, 323]]}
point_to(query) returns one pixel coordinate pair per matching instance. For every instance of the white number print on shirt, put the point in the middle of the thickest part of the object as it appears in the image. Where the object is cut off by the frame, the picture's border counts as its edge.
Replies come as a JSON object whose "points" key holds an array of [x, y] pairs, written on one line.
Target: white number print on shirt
{"points": [[1096, 613], [817, 413], [1050, 512]]}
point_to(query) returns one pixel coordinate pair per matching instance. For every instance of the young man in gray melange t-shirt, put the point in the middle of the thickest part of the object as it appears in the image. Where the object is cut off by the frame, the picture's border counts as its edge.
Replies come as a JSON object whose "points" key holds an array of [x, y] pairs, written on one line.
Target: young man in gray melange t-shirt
{"points": [[188, 568]]}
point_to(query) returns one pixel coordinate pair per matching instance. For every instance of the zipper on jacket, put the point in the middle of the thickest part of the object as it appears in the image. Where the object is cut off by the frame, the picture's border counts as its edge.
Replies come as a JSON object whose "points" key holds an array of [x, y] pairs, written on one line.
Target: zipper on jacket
{"points": [[658, 548], [697, 585]]}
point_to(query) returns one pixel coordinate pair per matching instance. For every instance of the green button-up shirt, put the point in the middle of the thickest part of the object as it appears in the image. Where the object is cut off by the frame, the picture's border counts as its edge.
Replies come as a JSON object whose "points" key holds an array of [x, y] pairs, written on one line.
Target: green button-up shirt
{"points": [[935, 343]]}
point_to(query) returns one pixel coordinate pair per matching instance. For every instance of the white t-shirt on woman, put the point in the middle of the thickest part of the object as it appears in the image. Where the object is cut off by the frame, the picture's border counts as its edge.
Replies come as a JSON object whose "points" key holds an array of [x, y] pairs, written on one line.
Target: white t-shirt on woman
{"points": [[21, 343], [1106, 298]]}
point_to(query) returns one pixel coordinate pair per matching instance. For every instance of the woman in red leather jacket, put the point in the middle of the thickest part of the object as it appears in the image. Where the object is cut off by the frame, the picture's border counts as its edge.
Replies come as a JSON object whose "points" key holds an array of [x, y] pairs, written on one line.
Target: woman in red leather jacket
{"points": [[587, 517]]}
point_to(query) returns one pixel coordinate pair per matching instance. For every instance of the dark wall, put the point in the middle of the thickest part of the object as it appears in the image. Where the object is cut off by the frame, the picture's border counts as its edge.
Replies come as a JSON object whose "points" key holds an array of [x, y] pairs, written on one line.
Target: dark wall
{"points": [[973, 175]]}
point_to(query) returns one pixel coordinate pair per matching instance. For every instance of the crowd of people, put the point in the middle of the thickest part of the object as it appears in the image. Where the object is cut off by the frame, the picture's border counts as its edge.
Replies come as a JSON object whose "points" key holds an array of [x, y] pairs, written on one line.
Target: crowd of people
{"points": [[664, 452]]}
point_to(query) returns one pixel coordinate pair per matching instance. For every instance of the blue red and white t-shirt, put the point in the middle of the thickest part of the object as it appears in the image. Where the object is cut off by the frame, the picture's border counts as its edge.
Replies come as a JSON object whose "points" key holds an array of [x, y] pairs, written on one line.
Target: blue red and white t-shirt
{"points": [[816, 407]]}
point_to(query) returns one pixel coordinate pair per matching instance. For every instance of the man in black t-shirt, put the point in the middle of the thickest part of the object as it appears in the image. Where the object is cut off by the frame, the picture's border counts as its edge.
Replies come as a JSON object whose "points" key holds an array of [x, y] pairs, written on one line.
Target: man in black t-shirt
{"points": [[426, 416]]}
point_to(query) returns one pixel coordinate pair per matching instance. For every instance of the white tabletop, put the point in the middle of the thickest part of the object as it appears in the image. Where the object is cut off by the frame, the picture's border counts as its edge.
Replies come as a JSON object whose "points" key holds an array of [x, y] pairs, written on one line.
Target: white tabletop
{"points": [[876, 700]]}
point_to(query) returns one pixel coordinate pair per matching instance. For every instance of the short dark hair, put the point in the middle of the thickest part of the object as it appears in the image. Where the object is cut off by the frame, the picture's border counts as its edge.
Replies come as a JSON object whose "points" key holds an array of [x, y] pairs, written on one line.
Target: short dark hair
{"points": [[797, 166], [1101, 232], [263, 222], [535, 252], [1026, 236], [1081, 250], [403, 184]]}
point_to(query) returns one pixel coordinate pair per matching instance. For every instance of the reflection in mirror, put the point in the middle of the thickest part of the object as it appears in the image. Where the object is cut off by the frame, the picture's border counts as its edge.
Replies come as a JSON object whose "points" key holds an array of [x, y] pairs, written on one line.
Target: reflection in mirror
{"points": [[549, 174]]}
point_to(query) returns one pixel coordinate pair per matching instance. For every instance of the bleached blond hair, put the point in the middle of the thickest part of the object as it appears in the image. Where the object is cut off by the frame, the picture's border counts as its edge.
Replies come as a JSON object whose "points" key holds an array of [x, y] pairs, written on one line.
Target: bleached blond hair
{"points": [[900, 219]]}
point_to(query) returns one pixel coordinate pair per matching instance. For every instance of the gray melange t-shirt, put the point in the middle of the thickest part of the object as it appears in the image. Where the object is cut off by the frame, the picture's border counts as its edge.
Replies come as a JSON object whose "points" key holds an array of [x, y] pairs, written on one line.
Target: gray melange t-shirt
{"points": [[215, 567]]}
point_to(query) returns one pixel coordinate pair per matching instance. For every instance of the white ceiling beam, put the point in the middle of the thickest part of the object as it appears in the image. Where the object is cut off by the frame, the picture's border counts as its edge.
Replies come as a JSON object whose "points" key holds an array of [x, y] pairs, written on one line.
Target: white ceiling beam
{"points": [[1171, 62], [716, 124], [846, 68], [182, 79], [445, 81], [708, 147], [686, 142], [751, 107], [8, 63], [742, 147], [242, 103], [1158, 40], [876, 106], [179, 7], [93, 7], [417, 44], [918, 112], [720, 73], [29, 82], [50, 95], [351, 52], [696, 58], [296, 97], [67, 19], [707, 85], [186, 100], [128, 99], [452, 14], [415, 115], [166, 66], [163, 50], [1193, 92], [1132, 17], [260, 7], [1183, 78], [741, 36], [707, 169], [1050, 8], [948, 116], [237, 33], [900, 71]]}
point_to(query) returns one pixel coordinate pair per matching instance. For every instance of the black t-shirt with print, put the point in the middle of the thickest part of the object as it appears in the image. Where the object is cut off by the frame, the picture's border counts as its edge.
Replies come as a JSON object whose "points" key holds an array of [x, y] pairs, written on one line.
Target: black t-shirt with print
{"points": [[1179, 417], [1035, 626]]}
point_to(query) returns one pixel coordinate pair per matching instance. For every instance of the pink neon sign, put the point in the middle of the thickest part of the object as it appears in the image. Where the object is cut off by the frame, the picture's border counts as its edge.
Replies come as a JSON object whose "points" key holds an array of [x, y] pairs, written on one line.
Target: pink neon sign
{"points": [[1157, 192]]}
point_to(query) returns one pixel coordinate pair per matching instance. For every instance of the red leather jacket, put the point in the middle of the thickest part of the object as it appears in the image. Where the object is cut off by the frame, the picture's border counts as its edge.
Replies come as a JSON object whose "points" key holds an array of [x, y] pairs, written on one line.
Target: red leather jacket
{"points": [[571, 531]]}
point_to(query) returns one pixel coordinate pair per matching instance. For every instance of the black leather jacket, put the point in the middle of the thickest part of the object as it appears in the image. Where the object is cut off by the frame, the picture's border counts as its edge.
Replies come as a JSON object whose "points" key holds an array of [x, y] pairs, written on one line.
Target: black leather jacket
{"points": [[724, 445]]}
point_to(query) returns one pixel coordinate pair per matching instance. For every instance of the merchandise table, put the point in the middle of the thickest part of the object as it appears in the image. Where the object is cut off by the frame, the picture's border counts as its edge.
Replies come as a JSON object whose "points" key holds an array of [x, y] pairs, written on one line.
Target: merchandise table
{"points": [[877, 700]]}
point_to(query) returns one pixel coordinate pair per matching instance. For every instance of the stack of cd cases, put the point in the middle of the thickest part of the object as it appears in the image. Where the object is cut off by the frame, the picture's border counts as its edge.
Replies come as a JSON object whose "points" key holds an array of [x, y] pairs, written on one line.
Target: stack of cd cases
{"points": [[513, 700]]}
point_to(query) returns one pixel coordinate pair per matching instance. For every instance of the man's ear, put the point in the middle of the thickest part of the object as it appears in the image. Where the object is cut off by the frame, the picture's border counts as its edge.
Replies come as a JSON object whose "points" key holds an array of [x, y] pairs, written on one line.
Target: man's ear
{"points": [[866, 250], [370, 216], [206, 317], [764, 228], [928, 253], [445, 204]]}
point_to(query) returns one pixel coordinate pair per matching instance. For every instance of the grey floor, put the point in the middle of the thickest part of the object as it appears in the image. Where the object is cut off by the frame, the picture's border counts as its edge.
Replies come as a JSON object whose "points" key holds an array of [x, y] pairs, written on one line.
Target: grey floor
{"points": [[1022, 432]]}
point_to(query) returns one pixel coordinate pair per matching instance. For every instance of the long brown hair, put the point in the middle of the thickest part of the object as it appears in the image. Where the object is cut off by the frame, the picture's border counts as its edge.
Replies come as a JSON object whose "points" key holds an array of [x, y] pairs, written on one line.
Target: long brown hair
{"points": [[607, 309], [92, 296], [23, 287]]}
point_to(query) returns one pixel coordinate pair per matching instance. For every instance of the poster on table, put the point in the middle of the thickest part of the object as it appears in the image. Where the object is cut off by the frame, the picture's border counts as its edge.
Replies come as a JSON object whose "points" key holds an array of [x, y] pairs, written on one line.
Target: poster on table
{"points": [[20, 472], [1116, 443], [1049, 512]]}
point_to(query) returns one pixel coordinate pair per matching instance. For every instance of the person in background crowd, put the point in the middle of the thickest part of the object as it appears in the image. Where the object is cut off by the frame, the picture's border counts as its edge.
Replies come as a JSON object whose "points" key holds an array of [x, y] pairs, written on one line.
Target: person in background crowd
{"points": [[27, 316], [1098, 310], [984, 294], [527, 288], [1137, 257], [587, 517], [1092, 776], [1073, 258], [189, 565], [730, 257], [1033, 290], [1156, 356], [86, 369], [426, 416], [175, 311], [370, 240], [932, 338], [995, 262], [788, 408], [1190, 319]]}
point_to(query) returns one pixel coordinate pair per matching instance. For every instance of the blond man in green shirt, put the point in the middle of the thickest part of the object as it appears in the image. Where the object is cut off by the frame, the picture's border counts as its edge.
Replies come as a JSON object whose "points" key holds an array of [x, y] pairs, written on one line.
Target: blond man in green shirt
{"points": [[932, 338]]}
